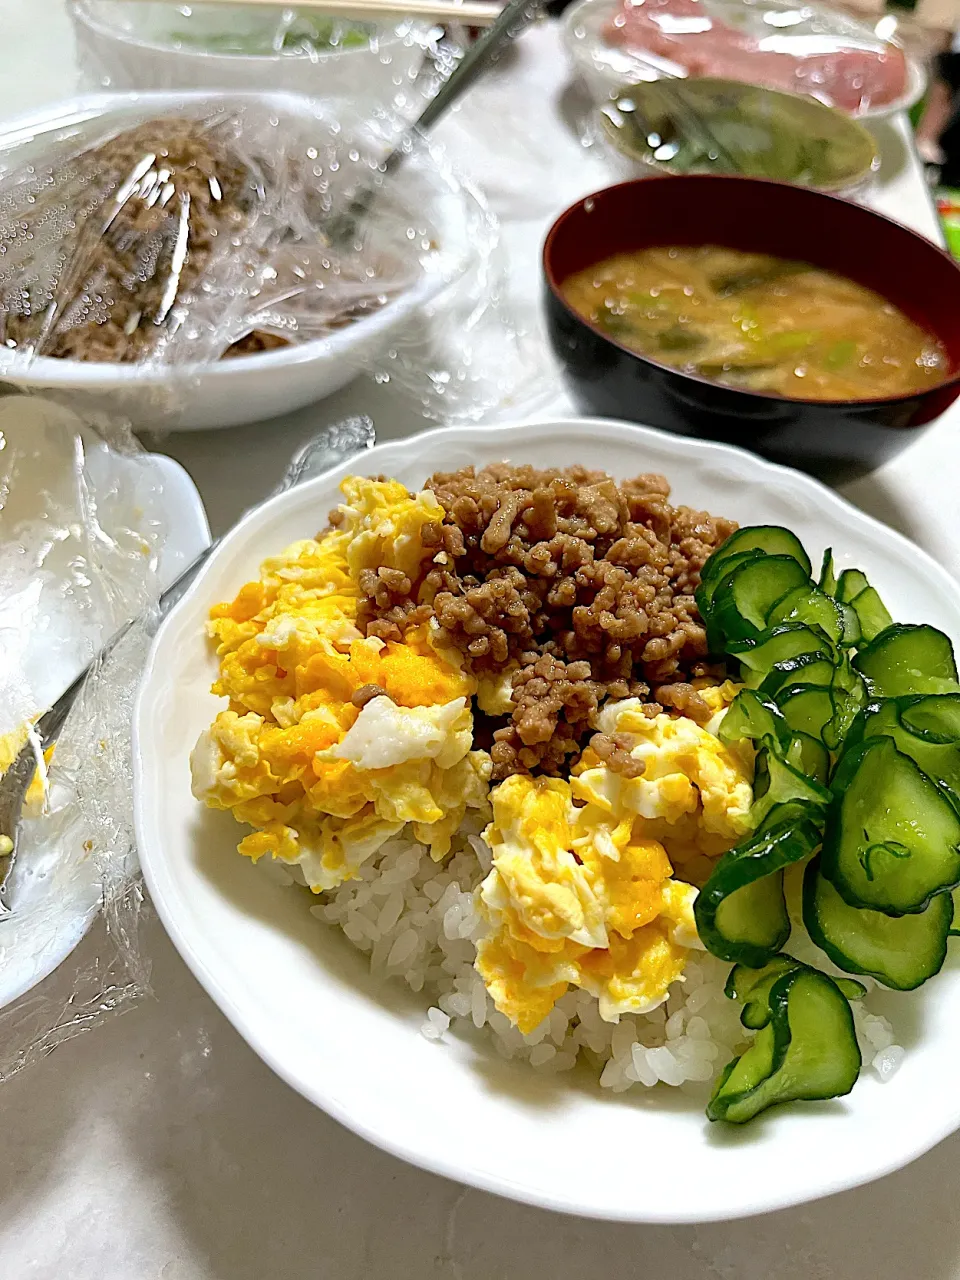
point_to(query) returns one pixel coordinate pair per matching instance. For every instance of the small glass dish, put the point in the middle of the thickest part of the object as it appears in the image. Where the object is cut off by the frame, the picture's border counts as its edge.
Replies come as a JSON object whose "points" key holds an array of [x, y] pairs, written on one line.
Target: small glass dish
{"points": [[723, 126]]}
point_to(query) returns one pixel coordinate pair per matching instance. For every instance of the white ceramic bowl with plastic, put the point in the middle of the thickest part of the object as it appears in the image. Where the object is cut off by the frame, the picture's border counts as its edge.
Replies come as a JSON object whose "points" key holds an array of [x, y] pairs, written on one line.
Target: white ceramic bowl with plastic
{"points": [[133, 46], [250, 388]]}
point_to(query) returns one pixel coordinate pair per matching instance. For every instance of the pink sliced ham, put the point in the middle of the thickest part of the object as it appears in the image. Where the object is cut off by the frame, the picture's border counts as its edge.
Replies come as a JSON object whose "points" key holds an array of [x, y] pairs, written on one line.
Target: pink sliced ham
{"points": [[683, 32]]}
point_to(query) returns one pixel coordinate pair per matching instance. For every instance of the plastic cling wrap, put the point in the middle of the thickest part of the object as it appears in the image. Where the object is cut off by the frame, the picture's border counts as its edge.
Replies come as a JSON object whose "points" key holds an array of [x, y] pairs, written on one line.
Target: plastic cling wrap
{"points": [[382, 63], [779, 44], [155, 241], [723, 126], [85, 531]]}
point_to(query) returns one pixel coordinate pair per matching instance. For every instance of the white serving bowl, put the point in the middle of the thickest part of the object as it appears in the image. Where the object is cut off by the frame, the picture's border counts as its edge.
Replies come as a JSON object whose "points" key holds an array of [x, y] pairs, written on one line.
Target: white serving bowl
{"points": [[126, 46], [305, 1001], [243, 389]]}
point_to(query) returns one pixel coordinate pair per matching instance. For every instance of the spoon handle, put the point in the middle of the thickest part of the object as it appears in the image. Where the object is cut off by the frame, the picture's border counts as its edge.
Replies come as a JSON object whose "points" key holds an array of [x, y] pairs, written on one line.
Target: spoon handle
{"points": [[478, 58]]}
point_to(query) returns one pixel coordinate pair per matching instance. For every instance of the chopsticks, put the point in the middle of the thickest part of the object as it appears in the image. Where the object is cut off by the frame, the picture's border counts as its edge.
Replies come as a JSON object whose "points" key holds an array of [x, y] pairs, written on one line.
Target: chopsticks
{"points": [[473, 13]]}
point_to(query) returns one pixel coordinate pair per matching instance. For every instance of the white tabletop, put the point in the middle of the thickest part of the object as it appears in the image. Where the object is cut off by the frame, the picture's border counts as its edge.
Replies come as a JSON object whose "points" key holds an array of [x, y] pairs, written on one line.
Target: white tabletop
{"points": [[160, 1147]]}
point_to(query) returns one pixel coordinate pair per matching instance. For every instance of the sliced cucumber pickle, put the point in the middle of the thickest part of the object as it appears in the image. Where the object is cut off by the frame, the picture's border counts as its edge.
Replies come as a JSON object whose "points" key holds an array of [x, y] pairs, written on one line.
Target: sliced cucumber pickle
{"points": [[893, 838], [744, 598], [902, 952], [778, 645], [752, 988], [808, 668], [927, 729], [740, 912], [807, 1050], [753, 717], [814, 607], [854, 589], [907, 659], [807, 708], [776, 782], [762, 539]]}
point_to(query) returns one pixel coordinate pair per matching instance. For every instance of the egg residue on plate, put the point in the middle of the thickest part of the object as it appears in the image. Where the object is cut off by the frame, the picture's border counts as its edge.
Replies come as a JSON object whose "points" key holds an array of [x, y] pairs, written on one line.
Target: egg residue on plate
{"points": [[326, 777], [581, 892]]}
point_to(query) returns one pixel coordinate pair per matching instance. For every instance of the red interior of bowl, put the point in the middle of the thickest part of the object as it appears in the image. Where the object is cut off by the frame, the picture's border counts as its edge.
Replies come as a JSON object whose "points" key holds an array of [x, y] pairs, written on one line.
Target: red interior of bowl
{"points": [[765, 217]]}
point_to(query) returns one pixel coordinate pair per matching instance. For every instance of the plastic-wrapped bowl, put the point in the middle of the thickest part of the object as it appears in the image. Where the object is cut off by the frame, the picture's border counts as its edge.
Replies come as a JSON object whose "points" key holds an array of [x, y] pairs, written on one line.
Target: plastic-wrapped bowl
{"points": [[726, 126], [131, 46], [250, 388], [606, 67]]}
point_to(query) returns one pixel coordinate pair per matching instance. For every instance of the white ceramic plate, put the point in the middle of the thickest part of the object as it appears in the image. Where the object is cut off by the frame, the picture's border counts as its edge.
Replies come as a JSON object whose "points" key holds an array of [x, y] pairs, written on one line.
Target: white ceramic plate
{"points": [[303, 999], [54, 888]]}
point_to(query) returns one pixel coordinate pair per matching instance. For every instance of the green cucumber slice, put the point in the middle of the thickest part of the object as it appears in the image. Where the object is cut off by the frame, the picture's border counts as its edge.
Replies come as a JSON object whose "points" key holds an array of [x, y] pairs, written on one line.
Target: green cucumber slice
{"points": [[740, 912], [810, 605], [828, 574], [902, 952], [709, 586], [850, 584], [753, 717], [893, 838], [806, 708], [808, 668], [807, 1050], [810, 757], [873, 614], [776, 783], [761, 539], [744, 598], [852, 631], [907, 659], [854, 589], [792, 640], [847, 700], [752, 988], [927, 729]]}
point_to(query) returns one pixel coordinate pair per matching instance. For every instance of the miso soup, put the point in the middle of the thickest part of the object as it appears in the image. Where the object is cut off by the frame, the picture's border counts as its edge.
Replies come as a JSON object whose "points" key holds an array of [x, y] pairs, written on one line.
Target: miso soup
{"points": [[757, 322]]}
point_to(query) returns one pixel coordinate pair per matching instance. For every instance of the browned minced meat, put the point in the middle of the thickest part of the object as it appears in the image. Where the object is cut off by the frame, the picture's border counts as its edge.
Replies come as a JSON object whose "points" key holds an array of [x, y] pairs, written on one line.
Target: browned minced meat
{"points": [[588, 585], [253, 343], [614, 751], [366, 693], [123, 260]]}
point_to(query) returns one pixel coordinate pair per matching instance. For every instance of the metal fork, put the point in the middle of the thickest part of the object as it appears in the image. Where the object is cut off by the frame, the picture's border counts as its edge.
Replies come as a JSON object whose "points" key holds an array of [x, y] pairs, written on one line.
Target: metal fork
{"points": [[326, 450]]}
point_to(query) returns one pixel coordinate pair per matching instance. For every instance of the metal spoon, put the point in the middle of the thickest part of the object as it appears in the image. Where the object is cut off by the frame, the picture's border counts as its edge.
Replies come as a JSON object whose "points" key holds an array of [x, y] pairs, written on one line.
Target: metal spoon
{"points": [[479, 58], [328, 449]]}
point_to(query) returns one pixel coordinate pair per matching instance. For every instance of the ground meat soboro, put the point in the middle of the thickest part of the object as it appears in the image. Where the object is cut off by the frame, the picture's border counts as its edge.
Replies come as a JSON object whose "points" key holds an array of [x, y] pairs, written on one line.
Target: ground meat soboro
{"points": [[583, 586]]}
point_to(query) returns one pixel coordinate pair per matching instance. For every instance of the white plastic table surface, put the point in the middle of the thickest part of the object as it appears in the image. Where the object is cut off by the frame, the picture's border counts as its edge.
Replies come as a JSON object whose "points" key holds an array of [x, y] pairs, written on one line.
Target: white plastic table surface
{"points": [[160, 1148]]}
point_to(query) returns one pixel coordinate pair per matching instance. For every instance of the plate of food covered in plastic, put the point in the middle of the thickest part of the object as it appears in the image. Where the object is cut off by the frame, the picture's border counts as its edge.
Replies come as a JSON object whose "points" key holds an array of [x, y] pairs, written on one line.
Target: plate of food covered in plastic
{"points": [[92, 530], [802, 49], [573, 788]]}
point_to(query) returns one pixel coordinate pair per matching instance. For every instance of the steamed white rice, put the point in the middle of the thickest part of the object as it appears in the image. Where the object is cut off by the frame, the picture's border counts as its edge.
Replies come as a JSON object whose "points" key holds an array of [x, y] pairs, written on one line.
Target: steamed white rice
{"points": [[416, 920]]}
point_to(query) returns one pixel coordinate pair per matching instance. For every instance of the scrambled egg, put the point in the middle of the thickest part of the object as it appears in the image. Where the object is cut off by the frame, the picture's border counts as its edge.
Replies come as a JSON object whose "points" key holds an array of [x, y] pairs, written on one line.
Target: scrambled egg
{"points": [[695, 792], [324, 782], [331, 743], [583, 894], [11, 744]]}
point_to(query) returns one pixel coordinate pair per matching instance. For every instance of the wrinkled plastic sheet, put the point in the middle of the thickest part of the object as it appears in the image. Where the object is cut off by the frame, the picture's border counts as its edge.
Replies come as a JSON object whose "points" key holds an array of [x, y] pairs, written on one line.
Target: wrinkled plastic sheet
{"points": [[167, 232], [80, 540], [778, 44], [390, 64]]}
